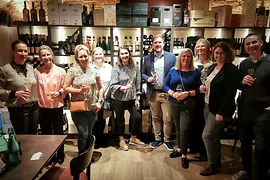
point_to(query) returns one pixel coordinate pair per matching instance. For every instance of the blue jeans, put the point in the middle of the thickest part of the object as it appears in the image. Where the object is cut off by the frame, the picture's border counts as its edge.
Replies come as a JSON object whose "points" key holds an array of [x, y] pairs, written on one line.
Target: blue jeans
{"points": [[84, 121]]}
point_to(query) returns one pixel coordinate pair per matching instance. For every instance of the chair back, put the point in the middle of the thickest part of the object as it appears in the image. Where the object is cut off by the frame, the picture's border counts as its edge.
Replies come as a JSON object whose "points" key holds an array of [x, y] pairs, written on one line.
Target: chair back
{"points": [[79, 163]]}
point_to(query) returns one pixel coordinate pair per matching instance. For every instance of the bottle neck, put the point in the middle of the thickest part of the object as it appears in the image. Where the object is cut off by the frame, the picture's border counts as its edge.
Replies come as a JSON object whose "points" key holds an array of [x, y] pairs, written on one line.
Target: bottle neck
{"points": [[262, 3]]}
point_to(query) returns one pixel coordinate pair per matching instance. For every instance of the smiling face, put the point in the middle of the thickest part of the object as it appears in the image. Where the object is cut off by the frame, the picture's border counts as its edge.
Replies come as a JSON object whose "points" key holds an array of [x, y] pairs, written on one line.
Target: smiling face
{"points": [[98, 56], [185, 60], [219, 55], [46, 57], [158, 45], [124, 56], [201, 49], [20, 53], [253, 45], [83, 59]]}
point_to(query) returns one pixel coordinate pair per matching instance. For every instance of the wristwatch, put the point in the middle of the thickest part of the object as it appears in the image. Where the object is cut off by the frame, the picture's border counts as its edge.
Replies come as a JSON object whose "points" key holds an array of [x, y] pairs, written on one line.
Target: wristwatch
{"points": [[189, 94]]}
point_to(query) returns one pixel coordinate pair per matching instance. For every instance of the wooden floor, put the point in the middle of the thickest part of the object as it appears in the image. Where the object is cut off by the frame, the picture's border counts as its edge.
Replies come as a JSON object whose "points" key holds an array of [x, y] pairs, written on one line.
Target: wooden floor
{"points": [[146, 164]]}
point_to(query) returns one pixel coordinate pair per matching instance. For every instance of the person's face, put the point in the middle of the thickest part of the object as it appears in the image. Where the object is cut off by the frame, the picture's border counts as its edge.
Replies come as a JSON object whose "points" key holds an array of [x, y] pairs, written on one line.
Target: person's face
{"points": [[98, 56], [253, 45], [219, 55], [83, 58], [20, 53], [46, 57], [124, 56], [158, 45], [201, 49], [185, 59]]}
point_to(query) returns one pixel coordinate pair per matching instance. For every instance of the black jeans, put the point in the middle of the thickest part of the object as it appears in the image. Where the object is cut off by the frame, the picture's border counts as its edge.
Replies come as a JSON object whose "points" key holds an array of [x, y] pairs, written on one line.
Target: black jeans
{"points": [[24, 119], [183, 122], [99, 126], [51, 122], [135, 117], [84, 121]]}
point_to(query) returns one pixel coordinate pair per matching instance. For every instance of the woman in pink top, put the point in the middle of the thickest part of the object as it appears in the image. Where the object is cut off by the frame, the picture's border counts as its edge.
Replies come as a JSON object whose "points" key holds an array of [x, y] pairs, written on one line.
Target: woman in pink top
{"points": [[50, 79]]}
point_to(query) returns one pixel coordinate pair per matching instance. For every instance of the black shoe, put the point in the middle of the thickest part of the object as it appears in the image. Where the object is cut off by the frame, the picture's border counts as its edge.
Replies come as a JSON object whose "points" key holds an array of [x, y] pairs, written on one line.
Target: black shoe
{"points": [[175, 154], [209, 170], [201, 158], [185, 162], [60, 160]]}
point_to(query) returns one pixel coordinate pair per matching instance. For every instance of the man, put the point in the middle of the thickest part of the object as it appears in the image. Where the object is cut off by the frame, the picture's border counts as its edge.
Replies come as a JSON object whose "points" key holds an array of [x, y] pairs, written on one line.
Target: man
{"points": [[155, 69], [254, 109]]}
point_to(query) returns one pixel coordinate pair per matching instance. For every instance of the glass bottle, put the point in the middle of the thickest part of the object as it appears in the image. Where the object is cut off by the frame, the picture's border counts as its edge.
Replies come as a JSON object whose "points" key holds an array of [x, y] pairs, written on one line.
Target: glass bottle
{"points": [[137, 46], [260, 16], [26, 17], [41, 13], [103, 45], [85, 20], [33, 14], [186, 17], [116, 45], [109, 45], [94, 43], [91, 16]]}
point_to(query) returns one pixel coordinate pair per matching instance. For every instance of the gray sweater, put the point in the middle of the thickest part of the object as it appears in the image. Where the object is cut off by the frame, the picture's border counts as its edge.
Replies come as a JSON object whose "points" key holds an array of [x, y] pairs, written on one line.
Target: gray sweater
{"points": [[121, 76]]}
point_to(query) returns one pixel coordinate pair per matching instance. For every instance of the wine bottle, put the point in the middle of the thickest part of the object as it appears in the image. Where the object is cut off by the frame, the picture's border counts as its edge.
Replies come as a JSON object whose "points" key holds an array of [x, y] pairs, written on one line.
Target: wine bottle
{"points": [[126, 41], [94, 43], [41, 13], [260, 16], [109, 46], [99, 42], [36, 43], [91, 16], [238, 46], [116, 45], [137, 46], [87, 44], [130, 45], [103, 45], [33, 14], [186, 17], [13, 148], [26, 17], [85, 20]]}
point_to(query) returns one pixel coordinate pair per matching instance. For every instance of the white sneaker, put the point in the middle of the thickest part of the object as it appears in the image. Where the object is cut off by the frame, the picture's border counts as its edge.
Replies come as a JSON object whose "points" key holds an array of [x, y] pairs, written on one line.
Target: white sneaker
{"points": [[123, 145]]}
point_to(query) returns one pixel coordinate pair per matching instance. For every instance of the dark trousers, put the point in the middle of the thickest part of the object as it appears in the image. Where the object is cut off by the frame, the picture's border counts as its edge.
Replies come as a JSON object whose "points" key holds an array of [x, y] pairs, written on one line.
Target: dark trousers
{"points": [[262, 145], [24, 119], [135, 117], [51, 122], [99, 126], [254, 121], [84, 121], [182, 121]]}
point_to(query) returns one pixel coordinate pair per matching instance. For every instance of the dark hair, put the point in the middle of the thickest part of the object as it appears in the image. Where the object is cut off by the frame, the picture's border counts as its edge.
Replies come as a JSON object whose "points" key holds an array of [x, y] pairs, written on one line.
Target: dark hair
{"points": [[15, 43], [229, 56], [130, 60], [253, 34]]}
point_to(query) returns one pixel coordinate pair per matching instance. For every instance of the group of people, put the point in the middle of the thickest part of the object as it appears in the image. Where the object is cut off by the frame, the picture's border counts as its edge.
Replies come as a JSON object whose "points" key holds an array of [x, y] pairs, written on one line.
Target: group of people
{"points": [[196, 94]]}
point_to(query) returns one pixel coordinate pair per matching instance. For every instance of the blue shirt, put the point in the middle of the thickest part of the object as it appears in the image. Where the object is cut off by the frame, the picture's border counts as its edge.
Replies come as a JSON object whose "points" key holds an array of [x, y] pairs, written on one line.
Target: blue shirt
{"points": [[159, 69], [191, 81]]}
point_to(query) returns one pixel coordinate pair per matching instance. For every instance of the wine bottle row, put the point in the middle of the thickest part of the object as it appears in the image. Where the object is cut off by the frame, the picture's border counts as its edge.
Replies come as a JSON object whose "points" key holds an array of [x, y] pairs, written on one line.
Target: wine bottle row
{"points": [[34, 14], [34, 41]]}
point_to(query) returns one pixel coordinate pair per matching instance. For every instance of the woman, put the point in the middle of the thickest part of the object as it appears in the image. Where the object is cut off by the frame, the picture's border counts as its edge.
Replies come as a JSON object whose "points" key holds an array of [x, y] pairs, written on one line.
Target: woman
{"points": [[202, 62], [105, 76], [125, 86], [19, 89], [82, 81], [220, 89], [181, 83], [50, 79]]}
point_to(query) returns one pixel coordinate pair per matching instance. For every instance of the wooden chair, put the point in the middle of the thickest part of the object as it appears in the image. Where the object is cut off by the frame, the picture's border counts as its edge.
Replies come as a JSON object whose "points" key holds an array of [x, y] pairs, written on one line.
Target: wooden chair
{"points": [[77, 165]]}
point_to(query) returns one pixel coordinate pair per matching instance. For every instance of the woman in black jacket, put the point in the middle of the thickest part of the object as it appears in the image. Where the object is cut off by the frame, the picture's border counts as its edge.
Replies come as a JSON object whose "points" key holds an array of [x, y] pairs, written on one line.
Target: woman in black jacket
{"points": [[220, 89]]}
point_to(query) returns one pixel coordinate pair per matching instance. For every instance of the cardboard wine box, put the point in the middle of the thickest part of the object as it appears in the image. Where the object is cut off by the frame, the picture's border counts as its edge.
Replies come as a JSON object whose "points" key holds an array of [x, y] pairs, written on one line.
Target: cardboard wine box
{"points": [[155, 16], [124, 8], [75, 14], [140, 9], [177, 14], [109, 14], [166, 16], [139, 21], [223, 15], [199, 18], [122, 20], [98, 17], [64, 13], [53, 14]]}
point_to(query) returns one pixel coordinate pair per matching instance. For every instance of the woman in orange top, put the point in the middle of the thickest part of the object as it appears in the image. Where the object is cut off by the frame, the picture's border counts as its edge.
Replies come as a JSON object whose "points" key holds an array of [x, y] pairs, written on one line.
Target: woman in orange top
{"points": [[50, 79]]}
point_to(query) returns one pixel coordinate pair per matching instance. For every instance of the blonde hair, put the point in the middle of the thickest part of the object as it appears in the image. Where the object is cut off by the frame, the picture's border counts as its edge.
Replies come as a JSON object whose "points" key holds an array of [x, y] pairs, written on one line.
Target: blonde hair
{"points": [[178, 65], [207, 44], [79, 48], [97, 49], [45, 47]]}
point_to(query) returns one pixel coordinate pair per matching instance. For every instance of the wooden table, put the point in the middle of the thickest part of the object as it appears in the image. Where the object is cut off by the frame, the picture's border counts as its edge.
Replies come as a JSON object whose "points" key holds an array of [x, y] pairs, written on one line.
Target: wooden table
{"points": [[31, 144]]}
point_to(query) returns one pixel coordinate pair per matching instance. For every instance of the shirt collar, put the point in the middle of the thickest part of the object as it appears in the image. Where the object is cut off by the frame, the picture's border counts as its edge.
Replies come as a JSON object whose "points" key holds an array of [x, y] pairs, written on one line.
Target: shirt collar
{"points": [[162, 54], [97, 67]]}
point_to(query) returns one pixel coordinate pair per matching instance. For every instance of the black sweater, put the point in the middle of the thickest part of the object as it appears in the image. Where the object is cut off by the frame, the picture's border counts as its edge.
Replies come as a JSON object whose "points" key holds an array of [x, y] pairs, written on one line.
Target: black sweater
{"points": [[259, 93], [223, 89]]}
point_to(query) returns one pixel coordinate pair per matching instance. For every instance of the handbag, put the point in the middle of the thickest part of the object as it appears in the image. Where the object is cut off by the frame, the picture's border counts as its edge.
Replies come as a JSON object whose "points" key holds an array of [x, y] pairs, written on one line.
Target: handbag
{"points": [[189, 103], [78, 106]]}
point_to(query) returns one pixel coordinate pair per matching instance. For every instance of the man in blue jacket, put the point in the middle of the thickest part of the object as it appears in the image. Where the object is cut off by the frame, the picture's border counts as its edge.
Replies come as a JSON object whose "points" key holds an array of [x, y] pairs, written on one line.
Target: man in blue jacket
{"points": [[155, 68]]}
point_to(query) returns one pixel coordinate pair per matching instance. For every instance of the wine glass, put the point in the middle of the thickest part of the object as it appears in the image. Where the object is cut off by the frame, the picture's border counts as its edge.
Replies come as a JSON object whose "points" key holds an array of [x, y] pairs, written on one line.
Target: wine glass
{"points": [[251, 72], [203, 79], [27, 86], [153, 73], [179, 88]]}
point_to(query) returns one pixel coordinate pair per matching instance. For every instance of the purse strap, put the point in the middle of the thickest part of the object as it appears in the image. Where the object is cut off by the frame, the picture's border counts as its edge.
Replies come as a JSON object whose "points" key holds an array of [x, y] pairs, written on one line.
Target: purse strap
{"points": [[179, 72]]}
